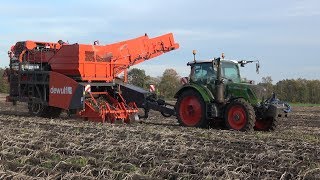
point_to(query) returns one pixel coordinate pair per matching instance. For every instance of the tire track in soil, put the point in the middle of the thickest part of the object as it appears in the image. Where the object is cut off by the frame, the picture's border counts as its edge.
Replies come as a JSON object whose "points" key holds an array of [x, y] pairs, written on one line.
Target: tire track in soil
{"points": [[67, 148]]}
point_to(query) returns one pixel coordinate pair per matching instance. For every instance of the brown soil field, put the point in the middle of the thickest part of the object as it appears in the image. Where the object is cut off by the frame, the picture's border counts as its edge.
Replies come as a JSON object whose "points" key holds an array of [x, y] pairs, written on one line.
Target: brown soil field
{"points": [[157, 148]]}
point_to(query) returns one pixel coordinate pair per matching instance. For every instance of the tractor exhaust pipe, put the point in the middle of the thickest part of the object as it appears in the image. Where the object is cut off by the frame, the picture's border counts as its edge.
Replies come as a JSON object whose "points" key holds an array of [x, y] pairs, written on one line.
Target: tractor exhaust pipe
{"points": [[219, 96]]}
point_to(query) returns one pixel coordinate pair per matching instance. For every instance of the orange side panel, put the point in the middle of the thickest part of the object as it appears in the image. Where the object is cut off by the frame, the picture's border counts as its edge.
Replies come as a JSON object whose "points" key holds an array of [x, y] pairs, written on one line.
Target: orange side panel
{"points": [[101, 71], [66, 60], [61, 90], [104, 63]]}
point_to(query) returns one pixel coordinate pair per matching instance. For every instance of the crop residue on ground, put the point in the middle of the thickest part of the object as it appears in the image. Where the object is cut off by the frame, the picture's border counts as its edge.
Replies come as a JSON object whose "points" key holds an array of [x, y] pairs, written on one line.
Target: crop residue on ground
{"points": [[33, 147]]}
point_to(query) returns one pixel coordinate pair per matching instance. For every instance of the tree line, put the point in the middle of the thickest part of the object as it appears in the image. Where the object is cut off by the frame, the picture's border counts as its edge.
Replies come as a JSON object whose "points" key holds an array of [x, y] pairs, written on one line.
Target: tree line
{"points": [[289, 90], [4, 86], [165, 86], [294, 90]]}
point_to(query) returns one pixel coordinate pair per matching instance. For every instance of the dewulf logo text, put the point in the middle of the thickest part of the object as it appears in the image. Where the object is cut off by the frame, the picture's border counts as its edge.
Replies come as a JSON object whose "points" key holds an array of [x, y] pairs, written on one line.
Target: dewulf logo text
{"points": [[64, 90]]}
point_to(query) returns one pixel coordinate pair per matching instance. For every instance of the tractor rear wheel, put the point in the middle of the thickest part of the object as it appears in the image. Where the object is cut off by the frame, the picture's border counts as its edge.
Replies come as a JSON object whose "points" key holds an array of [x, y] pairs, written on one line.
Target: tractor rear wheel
{"points": [[240, 115], [191, 109], [267, 124]]}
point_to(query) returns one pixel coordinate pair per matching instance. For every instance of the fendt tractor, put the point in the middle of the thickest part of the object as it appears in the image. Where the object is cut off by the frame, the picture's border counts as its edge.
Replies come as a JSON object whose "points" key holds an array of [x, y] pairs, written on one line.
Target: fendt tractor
{"points": [[216, 93], [83, 80]]}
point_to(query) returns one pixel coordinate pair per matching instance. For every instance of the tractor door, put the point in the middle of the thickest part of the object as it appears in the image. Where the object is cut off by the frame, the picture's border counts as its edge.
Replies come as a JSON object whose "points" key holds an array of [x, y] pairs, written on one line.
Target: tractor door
{"points": [[203, 73], [230, 72]]}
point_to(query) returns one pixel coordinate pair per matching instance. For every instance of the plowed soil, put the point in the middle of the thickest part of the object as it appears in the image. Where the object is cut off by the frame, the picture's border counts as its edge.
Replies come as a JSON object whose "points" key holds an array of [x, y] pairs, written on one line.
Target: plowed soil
{"points": [[157, 148]]}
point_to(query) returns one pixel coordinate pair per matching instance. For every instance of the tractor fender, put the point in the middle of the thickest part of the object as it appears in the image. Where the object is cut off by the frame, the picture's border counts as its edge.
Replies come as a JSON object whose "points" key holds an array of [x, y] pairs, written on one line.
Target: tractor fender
{"points": [[202, 90]]}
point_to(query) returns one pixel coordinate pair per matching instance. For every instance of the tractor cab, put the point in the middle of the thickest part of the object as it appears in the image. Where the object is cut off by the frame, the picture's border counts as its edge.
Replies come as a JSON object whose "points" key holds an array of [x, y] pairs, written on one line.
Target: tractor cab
{"points": [[205, 72], [222, 77]]}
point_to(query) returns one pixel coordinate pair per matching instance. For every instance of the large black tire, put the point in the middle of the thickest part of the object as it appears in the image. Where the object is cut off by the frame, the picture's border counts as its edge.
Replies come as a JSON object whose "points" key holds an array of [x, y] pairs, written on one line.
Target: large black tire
{"points": [[266, 124], [52, 112], [37, 109], [240, 115], [191, 111]]}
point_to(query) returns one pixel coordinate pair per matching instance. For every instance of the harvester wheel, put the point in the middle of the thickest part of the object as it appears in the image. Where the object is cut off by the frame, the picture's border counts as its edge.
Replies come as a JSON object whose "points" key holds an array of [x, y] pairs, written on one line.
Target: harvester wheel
{"points": [[51, 112], [38, 109], [35, 109], [190, 109], [267, 124], [240, 115]]}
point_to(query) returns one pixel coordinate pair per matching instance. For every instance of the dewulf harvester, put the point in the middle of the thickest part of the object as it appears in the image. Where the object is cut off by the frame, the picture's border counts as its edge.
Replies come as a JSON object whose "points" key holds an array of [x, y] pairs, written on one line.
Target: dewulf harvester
{"points": [[83, 79]]}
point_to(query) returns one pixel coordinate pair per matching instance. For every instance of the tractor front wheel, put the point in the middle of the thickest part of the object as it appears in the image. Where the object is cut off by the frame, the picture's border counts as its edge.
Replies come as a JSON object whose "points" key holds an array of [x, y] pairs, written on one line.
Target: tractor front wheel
{"points": [[191, 109], [267, 124], [240, 115]]}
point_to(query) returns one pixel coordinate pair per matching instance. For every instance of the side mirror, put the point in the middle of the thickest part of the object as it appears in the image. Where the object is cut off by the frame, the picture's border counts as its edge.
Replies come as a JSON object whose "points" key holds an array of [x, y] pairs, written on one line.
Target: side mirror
{"points": [[257, 67]]}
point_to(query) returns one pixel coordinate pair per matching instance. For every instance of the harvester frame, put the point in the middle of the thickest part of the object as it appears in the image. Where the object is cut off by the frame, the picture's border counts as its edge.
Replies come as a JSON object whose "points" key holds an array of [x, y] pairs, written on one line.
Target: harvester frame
{"points": [[83, 79]]}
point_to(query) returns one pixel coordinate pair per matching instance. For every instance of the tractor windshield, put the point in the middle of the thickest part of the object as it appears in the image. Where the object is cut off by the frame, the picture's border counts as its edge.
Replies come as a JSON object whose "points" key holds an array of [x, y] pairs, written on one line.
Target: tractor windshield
{"points": [[230, 71], [203, 72], [206, 73]]}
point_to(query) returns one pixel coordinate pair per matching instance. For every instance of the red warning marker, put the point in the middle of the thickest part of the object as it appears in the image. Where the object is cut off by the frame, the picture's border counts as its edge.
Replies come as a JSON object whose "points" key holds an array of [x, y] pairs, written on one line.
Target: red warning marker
{"points": [[184, 80], [152, 88]]}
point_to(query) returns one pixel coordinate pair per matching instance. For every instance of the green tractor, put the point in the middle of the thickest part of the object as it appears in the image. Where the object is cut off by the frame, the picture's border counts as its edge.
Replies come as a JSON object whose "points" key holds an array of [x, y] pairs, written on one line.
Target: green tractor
{"points": [[215, 93]]}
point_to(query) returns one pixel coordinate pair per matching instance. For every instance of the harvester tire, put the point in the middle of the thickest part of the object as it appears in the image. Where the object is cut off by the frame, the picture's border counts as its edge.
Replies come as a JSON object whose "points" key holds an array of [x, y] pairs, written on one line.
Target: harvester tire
{"points": [[240, 115], [267, 124], [51, 112], [35, 109], [191, 111], [38, 109]]}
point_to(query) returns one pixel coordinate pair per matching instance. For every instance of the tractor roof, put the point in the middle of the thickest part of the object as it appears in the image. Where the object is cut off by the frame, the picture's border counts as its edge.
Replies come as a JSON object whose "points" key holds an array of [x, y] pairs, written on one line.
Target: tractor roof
{"points": [[210, 61]]}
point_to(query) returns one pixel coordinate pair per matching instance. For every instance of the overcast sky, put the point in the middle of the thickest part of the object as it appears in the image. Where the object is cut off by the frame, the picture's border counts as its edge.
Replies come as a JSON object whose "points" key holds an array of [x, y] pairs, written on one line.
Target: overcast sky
{"points": [[284, 35]]}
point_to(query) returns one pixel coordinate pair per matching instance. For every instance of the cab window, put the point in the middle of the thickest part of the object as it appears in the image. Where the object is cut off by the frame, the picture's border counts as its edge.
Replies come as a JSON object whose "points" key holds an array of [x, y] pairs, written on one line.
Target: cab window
{"points": [[202, 72], [231, 72]]}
